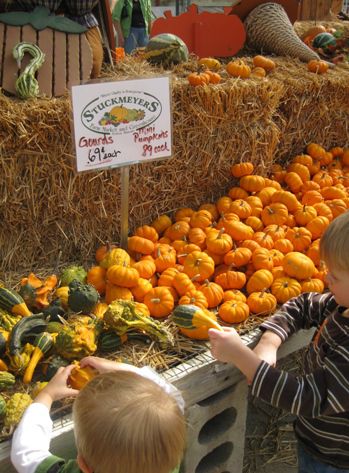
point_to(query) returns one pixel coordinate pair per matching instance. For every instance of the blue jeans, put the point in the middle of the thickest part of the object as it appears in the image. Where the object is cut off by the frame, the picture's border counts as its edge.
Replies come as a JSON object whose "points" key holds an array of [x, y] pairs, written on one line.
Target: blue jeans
{"points": [[308, 464], [137, 38]]}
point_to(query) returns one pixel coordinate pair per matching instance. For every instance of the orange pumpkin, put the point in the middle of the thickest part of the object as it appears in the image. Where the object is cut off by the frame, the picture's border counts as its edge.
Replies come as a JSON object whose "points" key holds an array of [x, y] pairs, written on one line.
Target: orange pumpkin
{"points": [[238, 68], [159, 301], [233, 312], [261, 303], [260, 280], [96, 276], [285, 288], [241, 169], [198, 264], [298, 266]]}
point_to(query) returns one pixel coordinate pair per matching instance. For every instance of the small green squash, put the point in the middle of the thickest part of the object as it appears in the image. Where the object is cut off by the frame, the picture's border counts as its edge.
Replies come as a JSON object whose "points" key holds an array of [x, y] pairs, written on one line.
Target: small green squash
{"points": [[325, 41], [189, 316], [11, 301], [6, 380], [166, 49], [82, 297], [2, 407], [26, 326]]}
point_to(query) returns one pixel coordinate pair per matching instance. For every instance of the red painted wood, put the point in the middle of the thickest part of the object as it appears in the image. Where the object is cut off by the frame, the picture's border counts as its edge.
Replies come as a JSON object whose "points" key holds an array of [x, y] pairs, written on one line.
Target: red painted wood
{"points": [[205, 34]]}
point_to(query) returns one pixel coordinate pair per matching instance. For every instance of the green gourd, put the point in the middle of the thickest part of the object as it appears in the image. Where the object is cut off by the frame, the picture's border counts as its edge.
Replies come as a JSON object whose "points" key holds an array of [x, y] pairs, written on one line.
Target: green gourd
{"points": [[25, 327], [12, 302], [325, 41], [6, 380], [166, 49], [191, 317], [26, 85], [2, 406], [82, 297]]}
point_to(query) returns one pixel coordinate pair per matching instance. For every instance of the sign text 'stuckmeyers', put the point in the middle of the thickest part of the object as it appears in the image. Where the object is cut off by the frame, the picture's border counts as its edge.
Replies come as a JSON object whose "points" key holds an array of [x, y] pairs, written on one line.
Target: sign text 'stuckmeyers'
{"points": [[124, 122]]}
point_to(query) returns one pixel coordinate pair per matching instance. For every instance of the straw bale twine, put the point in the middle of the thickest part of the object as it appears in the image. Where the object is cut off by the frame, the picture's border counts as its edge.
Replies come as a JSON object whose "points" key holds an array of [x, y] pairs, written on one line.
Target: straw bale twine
{"points": [[46, 208]]}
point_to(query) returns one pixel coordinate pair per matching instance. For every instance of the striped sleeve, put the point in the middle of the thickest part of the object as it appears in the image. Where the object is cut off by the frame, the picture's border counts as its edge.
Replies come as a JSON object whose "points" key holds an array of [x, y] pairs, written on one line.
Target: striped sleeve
{"points": [[321, 393], [302, 312]]}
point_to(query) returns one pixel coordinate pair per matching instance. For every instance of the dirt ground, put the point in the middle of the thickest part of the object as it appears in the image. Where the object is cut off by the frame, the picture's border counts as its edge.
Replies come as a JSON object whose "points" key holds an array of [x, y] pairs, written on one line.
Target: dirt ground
{"points": [[270, 445]]}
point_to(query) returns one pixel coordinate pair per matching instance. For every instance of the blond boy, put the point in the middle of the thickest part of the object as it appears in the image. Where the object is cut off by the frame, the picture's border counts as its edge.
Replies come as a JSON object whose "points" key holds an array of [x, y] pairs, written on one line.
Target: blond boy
{"points": [[320, 397], [126, 419]]}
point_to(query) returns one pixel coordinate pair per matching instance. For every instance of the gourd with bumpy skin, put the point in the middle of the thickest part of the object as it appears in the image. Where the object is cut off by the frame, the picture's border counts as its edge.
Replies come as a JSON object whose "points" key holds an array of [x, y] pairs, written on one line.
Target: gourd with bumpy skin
{"points": [[15, 408], [26, 85], [73, 272], [123, 316], [82, 297], [4, 336], [76, 341], [7, 320]]}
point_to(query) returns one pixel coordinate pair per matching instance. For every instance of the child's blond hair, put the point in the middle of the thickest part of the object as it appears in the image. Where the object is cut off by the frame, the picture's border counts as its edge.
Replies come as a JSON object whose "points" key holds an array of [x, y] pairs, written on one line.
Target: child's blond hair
{"points": [[334, 244], [127, 423]]}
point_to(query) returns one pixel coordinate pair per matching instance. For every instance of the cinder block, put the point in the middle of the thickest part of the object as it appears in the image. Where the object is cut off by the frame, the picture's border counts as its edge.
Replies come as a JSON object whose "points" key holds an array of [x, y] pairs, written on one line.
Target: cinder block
{"points": [[216, 432]]}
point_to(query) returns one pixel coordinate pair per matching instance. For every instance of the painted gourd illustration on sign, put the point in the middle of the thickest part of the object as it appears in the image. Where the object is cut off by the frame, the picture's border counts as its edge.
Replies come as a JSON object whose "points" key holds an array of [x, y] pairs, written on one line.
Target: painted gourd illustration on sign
{"points": [[199, 31]]}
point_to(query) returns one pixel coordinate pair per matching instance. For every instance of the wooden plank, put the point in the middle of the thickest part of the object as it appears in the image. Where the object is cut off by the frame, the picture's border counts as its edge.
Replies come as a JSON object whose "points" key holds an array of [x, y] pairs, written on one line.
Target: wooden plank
{"points": [[10, 71], [85, 59], [73, 60], [2, 46], [59, 64], [28, 35], [45, 73]]}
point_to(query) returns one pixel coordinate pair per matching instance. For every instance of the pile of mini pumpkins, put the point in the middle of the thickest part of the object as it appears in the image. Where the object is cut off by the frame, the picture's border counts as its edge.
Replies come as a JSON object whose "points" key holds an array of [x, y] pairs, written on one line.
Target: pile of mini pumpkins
{"points": [[210, 70], [254, 248]]}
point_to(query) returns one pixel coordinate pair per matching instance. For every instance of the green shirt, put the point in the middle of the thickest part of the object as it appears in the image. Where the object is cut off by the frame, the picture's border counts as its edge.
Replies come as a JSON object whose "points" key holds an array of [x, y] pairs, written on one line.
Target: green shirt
{"points": [[53, 464], [125, 22]]}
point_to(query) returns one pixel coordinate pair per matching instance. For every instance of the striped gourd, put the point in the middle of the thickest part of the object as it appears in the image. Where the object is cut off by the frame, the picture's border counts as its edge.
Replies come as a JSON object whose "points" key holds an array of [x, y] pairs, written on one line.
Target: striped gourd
{"points": [[110, 341], [191, 317], [2, 406], [11, 301], [324, 41], [166, 49], [6, 380]]}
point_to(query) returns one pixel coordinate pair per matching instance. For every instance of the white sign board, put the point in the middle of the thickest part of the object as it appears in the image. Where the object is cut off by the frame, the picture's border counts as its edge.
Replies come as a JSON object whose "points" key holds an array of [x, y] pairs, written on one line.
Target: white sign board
{"points": [[121, 123]]}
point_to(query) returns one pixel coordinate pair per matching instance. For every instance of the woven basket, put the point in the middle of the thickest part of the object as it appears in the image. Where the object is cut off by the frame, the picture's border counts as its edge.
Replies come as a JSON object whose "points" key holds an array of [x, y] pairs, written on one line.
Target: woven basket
{"points": [[269, 29]]}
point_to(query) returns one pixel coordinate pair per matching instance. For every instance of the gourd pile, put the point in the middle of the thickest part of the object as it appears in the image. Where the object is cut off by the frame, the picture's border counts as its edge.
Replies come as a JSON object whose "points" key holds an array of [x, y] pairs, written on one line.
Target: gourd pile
{"points": [[227, 261]]}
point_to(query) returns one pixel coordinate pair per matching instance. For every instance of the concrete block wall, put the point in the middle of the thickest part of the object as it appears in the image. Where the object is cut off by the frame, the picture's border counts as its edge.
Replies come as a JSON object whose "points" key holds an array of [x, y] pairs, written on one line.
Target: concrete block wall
{"points": [[216, 432]]}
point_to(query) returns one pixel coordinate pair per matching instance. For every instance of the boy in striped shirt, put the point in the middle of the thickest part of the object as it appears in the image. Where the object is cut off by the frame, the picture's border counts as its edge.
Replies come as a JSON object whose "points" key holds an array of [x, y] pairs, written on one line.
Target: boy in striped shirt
{"points": [[320, 397]]}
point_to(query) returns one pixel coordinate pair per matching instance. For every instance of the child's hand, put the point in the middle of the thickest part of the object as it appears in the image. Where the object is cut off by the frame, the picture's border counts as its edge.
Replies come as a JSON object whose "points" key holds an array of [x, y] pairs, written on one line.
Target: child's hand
{"points": [[104, 366], [57, 387], [224, 344]]}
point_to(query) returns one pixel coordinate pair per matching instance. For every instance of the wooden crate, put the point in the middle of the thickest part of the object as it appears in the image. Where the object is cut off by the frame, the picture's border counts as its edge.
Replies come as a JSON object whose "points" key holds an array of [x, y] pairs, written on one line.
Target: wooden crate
{"points": [[68, 59]]}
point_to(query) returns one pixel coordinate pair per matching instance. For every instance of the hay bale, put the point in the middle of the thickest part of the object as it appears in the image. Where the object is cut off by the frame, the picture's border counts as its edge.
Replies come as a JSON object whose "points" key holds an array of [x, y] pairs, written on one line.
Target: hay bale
{"points": [[47, 208]]}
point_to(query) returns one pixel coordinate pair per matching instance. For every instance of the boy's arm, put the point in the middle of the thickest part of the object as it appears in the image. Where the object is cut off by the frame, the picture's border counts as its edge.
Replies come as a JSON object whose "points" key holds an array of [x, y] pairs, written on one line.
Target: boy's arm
{"points": [[267, 347]]}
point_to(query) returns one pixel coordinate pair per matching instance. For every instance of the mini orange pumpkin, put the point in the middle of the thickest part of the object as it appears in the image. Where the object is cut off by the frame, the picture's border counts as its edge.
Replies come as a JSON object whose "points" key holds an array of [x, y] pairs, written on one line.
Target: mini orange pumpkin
{"points": [[238, 68]]}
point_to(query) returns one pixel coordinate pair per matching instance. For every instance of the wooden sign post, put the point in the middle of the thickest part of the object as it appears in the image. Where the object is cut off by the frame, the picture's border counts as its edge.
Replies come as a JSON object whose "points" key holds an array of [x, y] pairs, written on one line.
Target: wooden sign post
{"points": [[117, 124]]}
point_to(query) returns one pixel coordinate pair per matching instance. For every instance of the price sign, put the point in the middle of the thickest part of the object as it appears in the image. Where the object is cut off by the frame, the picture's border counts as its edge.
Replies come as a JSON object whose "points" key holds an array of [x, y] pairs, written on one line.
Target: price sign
{"points": [[121, 123]]}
